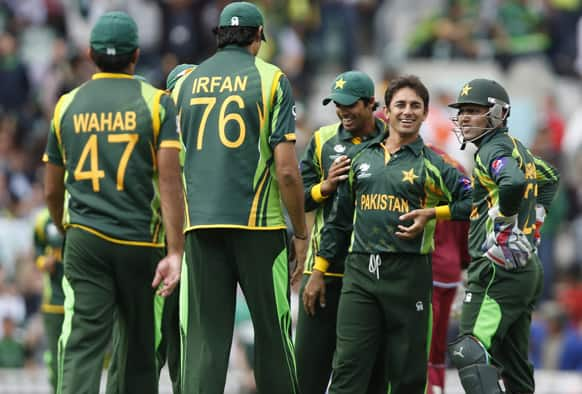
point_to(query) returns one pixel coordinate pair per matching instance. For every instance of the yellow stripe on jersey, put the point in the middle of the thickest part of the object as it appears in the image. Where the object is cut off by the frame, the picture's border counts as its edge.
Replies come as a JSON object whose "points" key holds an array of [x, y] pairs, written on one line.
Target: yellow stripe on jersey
{"points": [[171, 144], [57, 120], [156, 115], [290, 137], [334, 274], [318, 150], [234, 226], [275, 85], [115, 240], [111, 75], [254, 206], [49, 308], [153, 153]]}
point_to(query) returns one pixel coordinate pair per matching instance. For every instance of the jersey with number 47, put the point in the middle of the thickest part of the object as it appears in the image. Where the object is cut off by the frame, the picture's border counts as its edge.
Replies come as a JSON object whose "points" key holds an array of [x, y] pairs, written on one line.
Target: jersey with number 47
{"points": [[234, 109], [106, 134]]}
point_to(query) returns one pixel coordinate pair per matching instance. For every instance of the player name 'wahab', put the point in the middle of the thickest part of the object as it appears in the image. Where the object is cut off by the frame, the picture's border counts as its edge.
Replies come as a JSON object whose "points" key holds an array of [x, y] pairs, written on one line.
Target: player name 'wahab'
{"points": [[104, 121], [383, 202]]}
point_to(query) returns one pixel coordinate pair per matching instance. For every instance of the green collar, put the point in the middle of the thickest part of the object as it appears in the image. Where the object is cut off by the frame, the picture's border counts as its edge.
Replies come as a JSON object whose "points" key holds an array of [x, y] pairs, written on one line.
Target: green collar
{"points": [[233, 47], [492, 135], [415, 146]]}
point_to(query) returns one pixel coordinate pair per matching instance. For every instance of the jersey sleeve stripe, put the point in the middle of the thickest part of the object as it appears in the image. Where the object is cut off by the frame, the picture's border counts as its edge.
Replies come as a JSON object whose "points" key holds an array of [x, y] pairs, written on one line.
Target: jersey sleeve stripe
{"points": [[275, 85], [156, 115], [171, 144], [290, 137]]}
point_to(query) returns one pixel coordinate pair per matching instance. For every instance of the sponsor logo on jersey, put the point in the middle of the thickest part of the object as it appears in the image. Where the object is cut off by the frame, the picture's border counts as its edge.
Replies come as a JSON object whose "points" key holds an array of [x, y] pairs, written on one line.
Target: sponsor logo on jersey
{"points": [[363, 171], [339, 148]]}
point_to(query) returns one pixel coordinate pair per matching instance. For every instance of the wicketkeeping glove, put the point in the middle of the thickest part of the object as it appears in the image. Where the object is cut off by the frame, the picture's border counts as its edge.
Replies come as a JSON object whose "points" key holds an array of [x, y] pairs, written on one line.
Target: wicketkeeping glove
{"points": [[507, 245]]}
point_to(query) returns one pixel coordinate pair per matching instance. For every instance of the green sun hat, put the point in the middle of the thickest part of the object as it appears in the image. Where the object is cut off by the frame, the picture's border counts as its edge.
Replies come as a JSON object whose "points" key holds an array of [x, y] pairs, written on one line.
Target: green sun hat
{"points": [[115, 33], [178, 72], [243, 14], [349, 87]]}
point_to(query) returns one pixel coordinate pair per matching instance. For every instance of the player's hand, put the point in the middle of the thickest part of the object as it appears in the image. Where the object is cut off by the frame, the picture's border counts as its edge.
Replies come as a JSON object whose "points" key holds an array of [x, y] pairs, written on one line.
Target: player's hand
{"points": [[314, 292], [337, 172], [49, 264], [507, 245], [300, 248], [419, 218], [167, 274]]}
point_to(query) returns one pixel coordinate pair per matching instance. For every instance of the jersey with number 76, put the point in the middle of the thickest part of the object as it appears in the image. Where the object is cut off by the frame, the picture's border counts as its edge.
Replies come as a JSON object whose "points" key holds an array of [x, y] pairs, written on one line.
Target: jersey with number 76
{"points": [[233, 110], [106, 133]]}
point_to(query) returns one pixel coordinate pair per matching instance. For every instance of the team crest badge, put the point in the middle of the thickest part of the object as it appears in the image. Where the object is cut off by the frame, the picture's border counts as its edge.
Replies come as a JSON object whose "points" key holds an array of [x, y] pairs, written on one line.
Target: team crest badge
{"points": [[409, 176], [339, 148], [234, 21]]}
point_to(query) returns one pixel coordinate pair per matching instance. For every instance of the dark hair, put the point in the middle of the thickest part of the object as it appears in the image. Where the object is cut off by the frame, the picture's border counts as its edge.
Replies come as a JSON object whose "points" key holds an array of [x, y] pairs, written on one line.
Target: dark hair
{"points": [[235, 35], [112, 63], [366, 102], [408, 81]]}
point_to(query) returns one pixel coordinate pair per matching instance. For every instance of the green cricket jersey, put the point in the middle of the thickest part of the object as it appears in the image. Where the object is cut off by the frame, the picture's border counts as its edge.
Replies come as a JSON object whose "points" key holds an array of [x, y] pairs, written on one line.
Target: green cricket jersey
{"points": [[234, 109], [48, 241], [380, 188], [106, 133], [508, 175], [327, 144]]}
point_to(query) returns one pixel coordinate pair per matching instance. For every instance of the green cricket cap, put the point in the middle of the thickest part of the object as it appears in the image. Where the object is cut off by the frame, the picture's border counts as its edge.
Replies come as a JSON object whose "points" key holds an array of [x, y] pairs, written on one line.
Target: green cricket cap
{"points": [[178, 72], [115, 33], [349, 87], [243, 14]]}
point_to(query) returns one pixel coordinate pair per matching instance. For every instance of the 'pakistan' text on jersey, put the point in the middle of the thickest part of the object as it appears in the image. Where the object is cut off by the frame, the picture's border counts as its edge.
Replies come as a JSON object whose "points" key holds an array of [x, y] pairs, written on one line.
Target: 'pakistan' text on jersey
{"points": [[502, 167], [106, 133], [327, 144], [381, 187], [234, 109], [48, 241]]}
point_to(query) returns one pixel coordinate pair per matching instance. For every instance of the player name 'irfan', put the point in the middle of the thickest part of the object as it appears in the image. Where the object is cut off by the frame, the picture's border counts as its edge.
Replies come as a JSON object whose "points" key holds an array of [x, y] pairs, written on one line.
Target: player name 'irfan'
{"points": [[219, 84], [383, 202], [104, 121]]}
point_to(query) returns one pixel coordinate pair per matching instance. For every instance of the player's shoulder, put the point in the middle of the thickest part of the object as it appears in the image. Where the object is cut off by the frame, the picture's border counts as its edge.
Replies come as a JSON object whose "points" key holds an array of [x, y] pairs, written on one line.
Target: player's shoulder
{"points": [[327, 132], [264, 65]]}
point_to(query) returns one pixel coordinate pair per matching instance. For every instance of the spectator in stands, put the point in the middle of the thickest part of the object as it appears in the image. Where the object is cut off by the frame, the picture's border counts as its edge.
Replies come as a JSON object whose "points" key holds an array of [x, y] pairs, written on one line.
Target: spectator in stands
{"points": [[11, 350], [13, 75], [519, 30], [450, 33]]}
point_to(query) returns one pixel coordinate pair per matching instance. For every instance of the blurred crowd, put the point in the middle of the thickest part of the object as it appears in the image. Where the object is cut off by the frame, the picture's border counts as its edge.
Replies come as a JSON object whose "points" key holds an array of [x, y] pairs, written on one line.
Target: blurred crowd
{"points": [[43, 46]]}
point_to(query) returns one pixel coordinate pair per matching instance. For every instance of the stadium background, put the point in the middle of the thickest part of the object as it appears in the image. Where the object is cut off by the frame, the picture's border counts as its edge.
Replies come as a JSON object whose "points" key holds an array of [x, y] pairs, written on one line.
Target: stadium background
{"points": [[533, 47]]}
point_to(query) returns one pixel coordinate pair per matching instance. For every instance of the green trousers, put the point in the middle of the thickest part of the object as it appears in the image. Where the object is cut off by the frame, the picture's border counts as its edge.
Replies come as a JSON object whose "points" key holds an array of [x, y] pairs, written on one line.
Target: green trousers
{"points": [[216, 260], [104, 281], [53, 322], [384, 321], [167, 345], [497, 310], [315, 338], [169, 348]]}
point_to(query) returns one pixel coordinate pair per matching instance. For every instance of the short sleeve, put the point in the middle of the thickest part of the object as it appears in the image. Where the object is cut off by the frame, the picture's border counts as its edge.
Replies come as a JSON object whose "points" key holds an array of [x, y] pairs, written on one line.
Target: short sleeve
{"points": [[283, 114]]}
